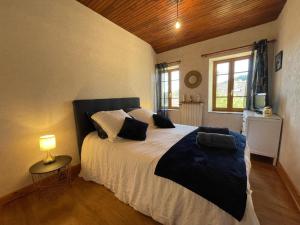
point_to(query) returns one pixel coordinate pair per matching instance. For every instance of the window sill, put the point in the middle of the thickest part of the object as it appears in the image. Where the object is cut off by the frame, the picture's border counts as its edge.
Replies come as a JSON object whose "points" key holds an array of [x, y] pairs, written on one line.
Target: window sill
{"points": [[174, 109], [224, 112]]}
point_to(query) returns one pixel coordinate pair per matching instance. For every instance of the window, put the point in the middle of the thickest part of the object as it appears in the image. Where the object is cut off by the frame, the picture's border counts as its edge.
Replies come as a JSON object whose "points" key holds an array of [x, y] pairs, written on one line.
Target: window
{"points": [[170, 89], [230, 84]]}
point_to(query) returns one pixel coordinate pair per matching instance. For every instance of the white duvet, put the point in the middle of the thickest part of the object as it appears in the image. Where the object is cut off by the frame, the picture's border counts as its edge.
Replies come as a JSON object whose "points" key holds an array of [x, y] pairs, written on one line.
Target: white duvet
{"points": [[127, 168]]}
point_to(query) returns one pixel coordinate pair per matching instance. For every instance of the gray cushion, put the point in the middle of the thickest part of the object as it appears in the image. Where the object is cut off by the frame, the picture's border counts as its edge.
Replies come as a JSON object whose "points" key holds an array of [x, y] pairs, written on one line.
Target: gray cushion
{"points": [[218, 141]]}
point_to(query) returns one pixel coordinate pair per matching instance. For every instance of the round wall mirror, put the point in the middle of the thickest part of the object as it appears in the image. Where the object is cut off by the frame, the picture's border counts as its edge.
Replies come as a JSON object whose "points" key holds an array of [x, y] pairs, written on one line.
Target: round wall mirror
{"points": [[193, 79]]}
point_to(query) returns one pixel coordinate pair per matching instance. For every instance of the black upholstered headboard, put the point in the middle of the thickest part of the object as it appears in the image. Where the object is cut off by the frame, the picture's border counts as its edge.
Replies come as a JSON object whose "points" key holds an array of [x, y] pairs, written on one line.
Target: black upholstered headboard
{"points": [[81, 107]]}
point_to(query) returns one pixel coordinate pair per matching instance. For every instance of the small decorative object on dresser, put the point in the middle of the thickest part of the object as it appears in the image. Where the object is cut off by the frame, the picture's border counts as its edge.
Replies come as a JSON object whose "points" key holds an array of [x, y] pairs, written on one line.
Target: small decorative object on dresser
{"points": [[188, 98], [267, 111], [278, 61], [262, 133], [196, 98], [60, 169]]}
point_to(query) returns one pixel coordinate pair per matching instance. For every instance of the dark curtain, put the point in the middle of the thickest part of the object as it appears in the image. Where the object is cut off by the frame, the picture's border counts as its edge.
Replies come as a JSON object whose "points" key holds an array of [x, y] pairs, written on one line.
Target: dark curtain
{"points": [[258, 74], [249, 104], [161, 95]]}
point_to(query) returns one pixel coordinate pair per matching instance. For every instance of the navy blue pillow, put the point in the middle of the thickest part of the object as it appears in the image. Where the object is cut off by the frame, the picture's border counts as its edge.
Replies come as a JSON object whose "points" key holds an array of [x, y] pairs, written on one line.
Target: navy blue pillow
{"points": [[214, 130], [133, 129], [101, 133], [162, 122]]}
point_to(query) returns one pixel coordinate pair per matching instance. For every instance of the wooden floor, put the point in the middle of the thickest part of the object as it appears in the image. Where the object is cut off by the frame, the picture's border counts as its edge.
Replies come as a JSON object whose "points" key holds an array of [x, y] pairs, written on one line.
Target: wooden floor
{"points": [[272, 202], [86, 203]]}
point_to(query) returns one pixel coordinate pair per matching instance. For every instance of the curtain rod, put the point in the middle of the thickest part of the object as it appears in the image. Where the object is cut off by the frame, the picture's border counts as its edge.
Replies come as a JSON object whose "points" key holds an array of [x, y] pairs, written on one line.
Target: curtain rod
{"points": [[174, 62], [231, 49]]}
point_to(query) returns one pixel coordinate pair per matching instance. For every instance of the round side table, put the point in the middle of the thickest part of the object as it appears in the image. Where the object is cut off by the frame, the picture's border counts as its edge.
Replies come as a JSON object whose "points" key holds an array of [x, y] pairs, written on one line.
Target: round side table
{"points": [[44, 174]]}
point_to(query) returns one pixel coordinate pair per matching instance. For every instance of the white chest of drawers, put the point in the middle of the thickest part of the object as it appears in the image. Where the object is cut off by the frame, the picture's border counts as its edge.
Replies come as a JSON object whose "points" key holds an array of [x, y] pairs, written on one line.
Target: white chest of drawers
{"points": [[262, 133]]}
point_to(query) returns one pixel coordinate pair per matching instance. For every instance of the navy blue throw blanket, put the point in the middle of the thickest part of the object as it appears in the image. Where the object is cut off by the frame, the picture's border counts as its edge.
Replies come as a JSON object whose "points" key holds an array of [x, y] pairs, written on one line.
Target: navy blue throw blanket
{"points": [[217, 175]]}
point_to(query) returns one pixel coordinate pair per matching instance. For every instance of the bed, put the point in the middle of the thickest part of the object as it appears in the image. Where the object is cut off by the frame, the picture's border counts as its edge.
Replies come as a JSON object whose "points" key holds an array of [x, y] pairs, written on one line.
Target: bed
{"points": [[127, 168]]}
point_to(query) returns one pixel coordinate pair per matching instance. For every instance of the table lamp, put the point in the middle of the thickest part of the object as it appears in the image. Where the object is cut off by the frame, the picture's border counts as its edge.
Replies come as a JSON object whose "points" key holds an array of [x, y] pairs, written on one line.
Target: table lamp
{"points": [[48, 143]]}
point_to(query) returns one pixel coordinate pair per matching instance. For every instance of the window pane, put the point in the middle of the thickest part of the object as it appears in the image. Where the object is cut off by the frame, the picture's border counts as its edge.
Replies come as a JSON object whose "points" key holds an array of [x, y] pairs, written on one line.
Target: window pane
{"points": [[164, 94], [241, 65], [239, 102], [170, 91], [164, 102], [240, 84], [164, 89], [164, 77], [222, 85], [175, 88], [175, 75], [221, 102], [223, 68], [175, 102]]}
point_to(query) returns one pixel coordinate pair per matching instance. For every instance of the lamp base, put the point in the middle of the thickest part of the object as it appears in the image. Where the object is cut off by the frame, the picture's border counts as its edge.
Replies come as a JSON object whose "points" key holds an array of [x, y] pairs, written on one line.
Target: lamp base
{"points": [[49, 159]]}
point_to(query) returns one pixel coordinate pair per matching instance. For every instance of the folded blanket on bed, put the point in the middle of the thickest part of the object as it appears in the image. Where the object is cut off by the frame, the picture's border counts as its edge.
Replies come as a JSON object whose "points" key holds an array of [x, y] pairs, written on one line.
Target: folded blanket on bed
{"points": [[216, 141], [218, 176]]}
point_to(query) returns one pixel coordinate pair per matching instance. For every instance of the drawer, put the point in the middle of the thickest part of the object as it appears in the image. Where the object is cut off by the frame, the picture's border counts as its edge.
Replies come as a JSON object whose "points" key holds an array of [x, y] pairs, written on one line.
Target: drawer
{"points": [[263, 137]]}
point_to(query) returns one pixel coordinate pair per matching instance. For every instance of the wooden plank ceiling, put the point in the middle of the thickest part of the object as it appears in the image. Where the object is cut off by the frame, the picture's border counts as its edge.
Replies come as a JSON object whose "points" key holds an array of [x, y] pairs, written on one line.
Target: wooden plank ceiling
{"points": [[154, 20]]}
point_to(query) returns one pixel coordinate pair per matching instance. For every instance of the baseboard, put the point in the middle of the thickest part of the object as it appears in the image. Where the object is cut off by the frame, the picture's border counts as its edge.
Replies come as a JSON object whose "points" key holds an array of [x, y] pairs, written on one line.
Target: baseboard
{"points": [[289, 184], [30, 188], [16, 194]]}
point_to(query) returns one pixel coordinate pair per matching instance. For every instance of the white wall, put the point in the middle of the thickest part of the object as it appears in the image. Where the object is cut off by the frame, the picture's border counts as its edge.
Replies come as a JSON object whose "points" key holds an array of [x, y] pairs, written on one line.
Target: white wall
{"points": [[52, 52], [191, 59], [287, 89]]}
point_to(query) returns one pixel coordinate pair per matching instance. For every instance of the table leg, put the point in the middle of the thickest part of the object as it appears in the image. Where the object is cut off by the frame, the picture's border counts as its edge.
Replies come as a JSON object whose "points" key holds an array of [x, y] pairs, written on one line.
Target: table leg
{"points": [[69, 174], [35, 180]]}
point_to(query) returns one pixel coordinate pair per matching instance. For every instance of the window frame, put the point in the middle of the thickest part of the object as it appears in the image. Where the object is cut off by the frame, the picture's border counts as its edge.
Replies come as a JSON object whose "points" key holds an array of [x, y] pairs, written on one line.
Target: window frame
{"points": [[230, 84], [169, 72]]}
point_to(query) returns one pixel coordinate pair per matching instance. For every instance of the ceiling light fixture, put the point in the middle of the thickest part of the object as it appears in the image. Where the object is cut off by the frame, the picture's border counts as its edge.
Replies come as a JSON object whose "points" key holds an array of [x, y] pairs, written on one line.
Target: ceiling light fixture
{"points": [[177, 24]]}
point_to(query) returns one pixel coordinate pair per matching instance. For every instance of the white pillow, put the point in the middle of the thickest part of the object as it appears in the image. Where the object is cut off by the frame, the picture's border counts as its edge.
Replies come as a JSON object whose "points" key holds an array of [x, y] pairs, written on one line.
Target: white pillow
{"points": [[111, 122], [143, 115]]}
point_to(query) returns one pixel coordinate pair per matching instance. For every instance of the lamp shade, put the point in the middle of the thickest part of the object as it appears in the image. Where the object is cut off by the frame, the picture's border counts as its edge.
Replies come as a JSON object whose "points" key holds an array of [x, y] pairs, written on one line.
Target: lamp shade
{"points": [[47, 142]]}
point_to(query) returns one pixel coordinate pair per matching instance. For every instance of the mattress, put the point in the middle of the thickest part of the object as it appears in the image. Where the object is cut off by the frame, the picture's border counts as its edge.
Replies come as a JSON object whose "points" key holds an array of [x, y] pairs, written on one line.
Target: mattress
{"points": [[127, 168]]}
